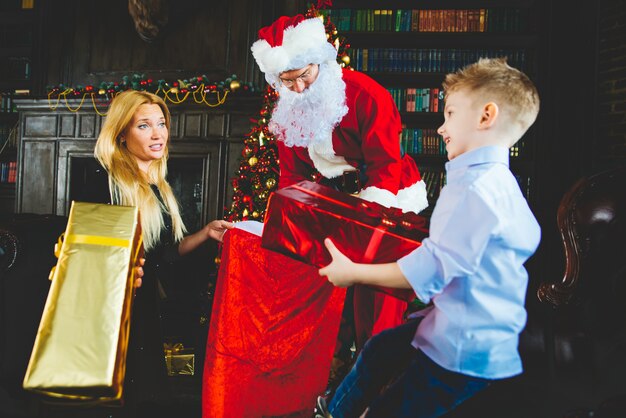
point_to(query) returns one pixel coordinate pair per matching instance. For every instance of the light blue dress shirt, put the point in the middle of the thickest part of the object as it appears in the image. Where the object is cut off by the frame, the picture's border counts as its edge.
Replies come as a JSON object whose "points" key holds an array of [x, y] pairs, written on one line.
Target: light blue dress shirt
{"points": [[472, 268]]}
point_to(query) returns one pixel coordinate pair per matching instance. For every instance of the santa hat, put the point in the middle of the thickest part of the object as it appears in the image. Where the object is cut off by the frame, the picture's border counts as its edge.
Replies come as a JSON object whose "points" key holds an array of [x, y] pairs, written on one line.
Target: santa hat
{"points": [[291, 43]]}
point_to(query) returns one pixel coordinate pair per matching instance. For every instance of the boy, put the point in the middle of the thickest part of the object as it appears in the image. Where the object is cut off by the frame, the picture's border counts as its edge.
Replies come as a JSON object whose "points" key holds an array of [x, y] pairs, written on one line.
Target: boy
{"points": [[471, 267]]}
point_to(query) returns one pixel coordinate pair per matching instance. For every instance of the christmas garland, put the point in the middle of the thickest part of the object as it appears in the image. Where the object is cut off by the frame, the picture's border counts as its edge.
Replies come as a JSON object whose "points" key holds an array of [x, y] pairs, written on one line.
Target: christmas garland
{"points": [[198, 88]]}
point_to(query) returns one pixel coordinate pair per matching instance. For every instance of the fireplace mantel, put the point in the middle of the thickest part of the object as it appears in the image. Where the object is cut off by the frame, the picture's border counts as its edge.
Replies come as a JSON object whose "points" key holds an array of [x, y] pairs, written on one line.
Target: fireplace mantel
{"points": [[207, 140]]}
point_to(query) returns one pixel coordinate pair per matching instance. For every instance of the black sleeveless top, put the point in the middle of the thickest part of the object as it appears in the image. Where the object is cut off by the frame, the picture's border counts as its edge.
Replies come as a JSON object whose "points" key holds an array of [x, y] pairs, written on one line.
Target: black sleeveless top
{"points": [[146, 375]]}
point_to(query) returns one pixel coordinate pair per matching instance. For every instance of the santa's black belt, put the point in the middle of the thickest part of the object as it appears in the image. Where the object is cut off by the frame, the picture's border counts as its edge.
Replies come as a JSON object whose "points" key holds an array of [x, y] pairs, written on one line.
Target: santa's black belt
{"points": [[351, 181]]}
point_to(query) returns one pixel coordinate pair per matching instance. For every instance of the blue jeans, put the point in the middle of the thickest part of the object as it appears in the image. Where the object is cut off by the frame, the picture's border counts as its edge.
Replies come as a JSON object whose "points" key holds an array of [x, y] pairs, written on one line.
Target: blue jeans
{"points": [[414, 386]]}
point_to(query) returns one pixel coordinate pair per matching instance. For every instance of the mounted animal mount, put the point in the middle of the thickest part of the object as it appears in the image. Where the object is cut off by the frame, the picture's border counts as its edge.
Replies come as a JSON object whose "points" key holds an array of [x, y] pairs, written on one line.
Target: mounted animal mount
{"points": [[150, 17]]}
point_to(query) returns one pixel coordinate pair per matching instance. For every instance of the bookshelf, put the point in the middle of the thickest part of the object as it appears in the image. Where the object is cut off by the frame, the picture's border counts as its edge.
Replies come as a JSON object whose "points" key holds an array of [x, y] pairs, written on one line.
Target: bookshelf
{"points": [[410, 46], [16, 56]]}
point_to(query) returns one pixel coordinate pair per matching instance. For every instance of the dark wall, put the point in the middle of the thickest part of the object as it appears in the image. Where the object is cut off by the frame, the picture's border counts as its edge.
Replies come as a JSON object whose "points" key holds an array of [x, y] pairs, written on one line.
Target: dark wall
{"points": [[611, 143], [583, 115], [85, 42]]}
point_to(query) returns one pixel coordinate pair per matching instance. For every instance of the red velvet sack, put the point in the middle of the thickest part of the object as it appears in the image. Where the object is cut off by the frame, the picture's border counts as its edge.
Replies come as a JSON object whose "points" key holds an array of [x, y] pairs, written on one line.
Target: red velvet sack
{"points": [[300, 216]]}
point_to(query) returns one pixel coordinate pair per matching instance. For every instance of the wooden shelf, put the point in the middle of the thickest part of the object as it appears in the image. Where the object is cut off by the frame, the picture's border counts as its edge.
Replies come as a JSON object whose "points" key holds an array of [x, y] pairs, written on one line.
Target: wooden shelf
{"points": [[422, 119], [429, 160], [431, 4], [414, 40], [527, 41]]}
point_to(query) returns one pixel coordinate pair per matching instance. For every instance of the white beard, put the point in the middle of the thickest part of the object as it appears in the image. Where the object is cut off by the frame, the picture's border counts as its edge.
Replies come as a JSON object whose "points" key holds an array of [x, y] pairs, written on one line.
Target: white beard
{"points": [[309, 117]]}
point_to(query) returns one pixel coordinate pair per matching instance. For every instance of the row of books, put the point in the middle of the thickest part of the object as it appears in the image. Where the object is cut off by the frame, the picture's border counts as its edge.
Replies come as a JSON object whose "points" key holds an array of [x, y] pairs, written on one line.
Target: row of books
{"points": [[15, 68], [421, 141], [428, 142], [8, 171], [418, 20], [428, 60], [418, 100], [517, 150], [434, 181], [6, 106]]}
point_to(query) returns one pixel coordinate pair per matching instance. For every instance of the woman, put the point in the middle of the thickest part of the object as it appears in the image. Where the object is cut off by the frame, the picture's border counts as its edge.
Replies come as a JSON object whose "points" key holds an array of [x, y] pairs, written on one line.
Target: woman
{"points": [[133, 149]]}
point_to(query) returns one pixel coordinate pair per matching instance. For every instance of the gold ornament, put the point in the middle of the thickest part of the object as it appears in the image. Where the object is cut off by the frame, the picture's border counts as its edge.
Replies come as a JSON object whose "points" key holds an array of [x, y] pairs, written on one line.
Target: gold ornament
{"points": [[263, 195], [174, 90], [335, 32], [255, 214], [252, 161], [101, 91], [270, 183], [245, 212], [346, 59], [234, 85]]}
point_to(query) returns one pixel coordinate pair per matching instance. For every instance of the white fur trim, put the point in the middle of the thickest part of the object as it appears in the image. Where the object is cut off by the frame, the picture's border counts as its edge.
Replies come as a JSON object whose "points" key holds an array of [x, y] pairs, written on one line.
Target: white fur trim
{"points": [[325, 160], [303, 44], [409, 199], [382, 196], [413, 198]]}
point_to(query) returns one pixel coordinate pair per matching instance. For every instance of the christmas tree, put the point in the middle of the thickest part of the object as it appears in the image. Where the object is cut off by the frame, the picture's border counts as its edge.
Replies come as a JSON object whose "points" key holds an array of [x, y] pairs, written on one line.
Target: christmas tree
{"points": [[257, 176]]}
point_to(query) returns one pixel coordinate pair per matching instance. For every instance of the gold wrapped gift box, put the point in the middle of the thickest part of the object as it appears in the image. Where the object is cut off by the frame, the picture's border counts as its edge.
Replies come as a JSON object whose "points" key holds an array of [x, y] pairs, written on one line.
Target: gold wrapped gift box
{"points": [[180, 361], [80, 348]]}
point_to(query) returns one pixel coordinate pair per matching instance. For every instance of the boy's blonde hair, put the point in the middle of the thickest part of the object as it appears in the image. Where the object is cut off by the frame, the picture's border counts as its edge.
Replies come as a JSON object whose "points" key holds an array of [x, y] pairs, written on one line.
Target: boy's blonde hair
{"points": [[493, 79], [127, 184]]}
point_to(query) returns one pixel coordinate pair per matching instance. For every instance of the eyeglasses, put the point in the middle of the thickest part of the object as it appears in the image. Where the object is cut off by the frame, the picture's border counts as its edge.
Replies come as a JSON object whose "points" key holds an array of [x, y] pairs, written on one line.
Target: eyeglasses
{"points": [[304, 77]]}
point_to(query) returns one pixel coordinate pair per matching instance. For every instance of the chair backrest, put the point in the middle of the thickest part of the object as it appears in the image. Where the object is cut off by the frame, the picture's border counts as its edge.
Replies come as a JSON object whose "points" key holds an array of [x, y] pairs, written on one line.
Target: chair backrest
{"points": [[592, 222]]}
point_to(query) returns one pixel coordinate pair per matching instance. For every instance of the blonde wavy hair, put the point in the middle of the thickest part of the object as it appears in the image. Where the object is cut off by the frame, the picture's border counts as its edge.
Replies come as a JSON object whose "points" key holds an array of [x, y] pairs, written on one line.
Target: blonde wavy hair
{"points": [[128, 185]]}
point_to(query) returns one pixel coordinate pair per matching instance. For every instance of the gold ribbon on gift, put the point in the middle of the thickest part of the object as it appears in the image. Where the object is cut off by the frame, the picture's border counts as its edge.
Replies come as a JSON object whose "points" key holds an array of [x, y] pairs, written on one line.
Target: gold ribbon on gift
{"points": [[173, 348], [177, 360], [86, 239]]}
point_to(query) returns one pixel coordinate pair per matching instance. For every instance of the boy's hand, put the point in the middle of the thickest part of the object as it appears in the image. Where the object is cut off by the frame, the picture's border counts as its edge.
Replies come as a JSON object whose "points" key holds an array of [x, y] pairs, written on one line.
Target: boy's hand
{"points": [[339, 270]]}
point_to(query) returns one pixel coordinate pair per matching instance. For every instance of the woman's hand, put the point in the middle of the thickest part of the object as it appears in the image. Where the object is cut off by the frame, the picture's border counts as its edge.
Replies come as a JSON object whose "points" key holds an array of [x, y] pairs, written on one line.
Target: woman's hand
{"points": [[216, 229], [340, 271], [139, 272]]}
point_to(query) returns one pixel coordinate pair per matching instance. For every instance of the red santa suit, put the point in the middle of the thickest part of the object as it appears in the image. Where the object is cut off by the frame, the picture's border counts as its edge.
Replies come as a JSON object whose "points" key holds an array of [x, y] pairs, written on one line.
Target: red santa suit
{"points": [[365, 135], [368, 135]]}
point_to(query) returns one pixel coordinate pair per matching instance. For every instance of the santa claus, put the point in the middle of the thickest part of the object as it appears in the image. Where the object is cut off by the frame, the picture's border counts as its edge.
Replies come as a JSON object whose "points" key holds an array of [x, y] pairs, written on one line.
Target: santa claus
{"points": [[335, 122], [331, 120]]}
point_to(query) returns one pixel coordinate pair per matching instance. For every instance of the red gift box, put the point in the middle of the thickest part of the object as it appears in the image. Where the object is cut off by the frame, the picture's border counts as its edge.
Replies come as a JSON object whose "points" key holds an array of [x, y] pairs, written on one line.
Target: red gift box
{"points": [[300, 216]]}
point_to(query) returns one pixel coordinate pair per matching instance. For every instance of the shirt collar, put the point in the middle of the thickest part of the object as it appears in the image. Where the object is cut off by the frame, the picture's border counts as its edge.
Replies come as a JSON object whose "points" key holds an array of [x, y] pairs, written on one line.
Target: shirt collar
{"points": [[483, 155]]}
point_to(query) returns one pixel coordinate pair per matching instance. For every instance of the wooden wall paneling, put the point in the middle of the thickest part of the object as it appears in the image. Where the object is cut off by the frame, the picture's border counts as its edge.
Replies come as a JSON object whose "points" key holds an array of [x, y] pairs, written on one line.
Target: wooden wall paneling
{"points": [[37, 175], [211, 38]]}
